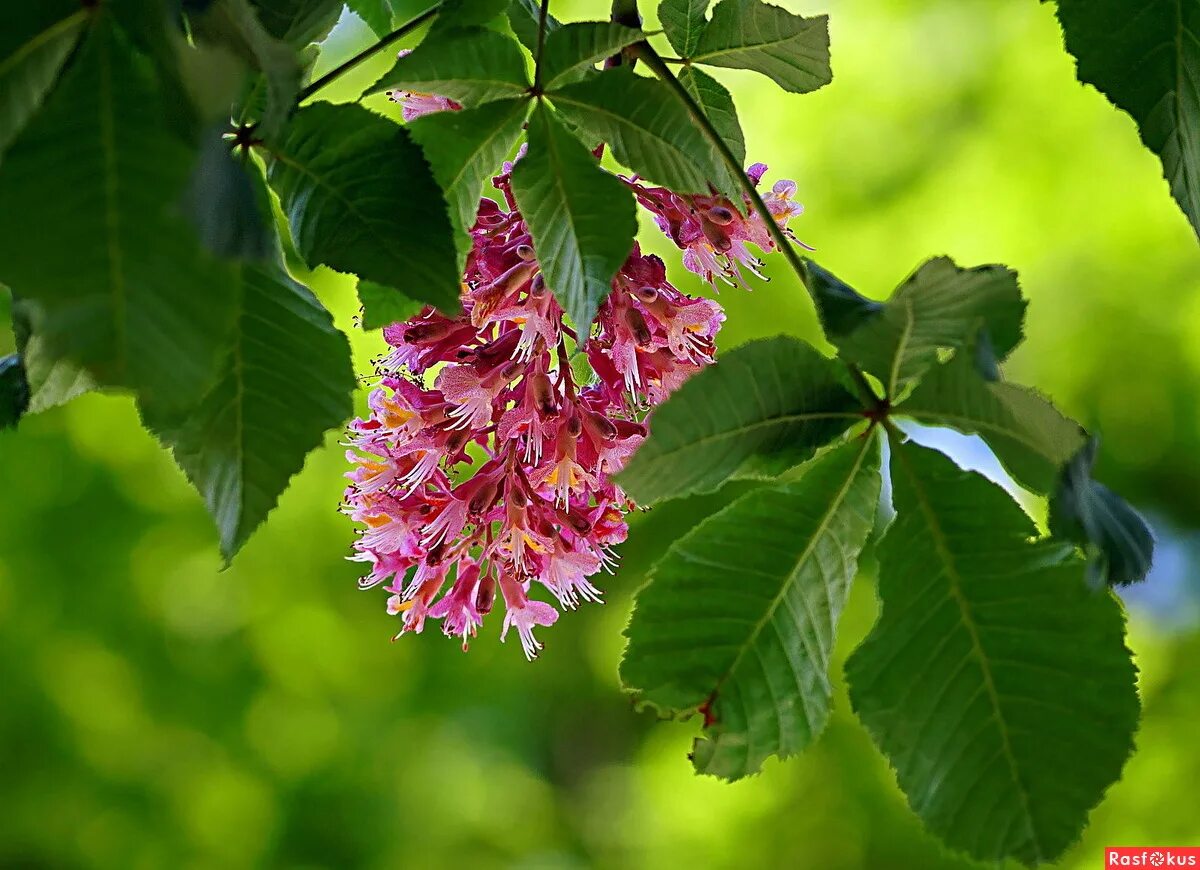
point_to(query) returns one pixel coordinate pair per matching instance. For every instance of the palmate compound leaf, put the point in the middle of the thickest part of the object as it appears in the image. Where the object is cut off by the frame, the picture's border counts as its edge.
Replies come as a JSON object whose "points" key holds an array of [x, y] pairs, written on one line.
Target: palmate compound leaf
{"points": [[35, 39], [84, 187], [464, 150], [740, 616], [576, 47], [582, 219], [286, 381], [791, 50], [683, 21], [939, 307], [524, 16], [1115, 538], [1145, 57], [995, 681], [762, 408], [648, 129], [470, 65], [717, 104], [360, 198]]}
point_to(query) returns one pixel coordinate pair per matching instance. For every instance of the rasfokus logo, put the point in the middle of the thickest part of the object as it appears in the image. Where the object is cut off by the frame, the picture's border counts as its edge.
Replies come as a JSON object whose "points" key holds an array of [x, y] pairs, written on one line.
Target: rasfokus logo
{"points": [[1152, 856]]}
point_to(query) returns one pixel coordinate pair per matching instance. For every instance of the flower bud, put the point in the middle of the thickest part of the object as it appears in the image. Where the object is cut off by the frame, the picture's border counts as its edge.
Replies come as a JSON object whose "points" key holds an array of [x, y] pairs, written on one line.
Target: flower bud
{"points": [[485, 597], [720, 215], [646, 294], [637, 325], [543, 394]]}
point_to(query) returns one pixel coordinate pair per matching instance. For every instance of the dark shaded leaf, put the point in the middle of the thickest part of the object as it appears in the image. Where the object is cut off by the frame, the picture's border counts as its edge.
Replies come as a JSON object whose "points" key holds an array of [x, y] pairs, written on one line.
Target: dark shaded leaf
{"points": [[298, 22], [88, 231], [225, 202], [523, 15], [761, 409], [582, 219], [343, 175], [841, 308], [287, 380], [997, 684], [378, 14], [747, 34], [35, 39], [739, 618], [383, 306], [14, 390], [471, 66], [1115, 538], [1145, 57], [52, 381]]}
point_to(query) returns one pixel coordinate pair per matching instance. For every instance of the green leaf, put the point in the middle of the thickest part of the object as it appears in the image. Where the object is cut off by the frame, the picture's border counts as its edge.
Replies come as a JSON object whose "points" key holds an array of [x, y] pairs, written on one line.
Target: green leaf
{"points": [[378, 14], [52, 381], [226, 203], [457, 14], [14, 390], [762, 409], [89, 231], [582, 219], [343, 175], [739, 617], [1029, 436], [234, 25], [465, 149], [841, 308], [940, 307], [383, 306], [471, 66], [747, 34], [1116, 540], [35, 39], [683, 21], [287, 380], [575, 48], [523, 15], [647, 127], [997, 684], [717, 104], [298, 22], [1145, 57]]}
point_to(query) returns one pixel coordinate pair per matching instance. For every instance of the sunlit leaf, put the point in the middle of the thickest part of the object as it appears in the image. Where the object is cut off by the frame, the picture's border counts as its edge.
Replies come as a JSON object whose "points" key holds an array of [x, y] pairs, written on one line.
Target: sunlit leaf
{"points": [[717, 104], [576, 47], [382, 306], [748, 34], [739, 618], [683, 21], [471, 66]]}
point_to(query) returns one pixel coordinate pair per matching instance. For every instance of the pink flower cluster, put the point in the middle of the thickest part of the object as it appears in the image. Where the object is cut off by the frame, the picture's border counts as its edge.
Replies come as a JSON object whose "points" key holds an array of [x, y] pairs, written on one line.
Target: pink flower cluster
{"points": [[486, 462]]}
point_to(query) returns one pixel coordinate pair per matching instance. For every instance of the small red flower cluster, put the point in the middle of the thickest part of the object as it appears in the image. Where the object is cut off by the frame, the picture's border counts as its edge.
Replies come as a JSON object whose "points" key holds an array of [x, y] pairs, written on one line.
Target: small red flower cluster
{"points": [[542, 415]]}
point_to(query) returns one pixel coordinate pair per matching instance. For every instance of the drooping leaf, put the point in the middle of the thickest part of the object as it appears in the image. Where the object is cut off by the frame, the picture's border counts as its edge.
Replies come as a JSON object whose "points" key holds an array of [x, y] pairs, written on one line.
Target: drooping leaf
{"points": [[378, 14], [576, 47], [683, 21], [226, 203], [343, 175], [470, 65], [465, 149], [1145, 57], [524, 15], [287, 380], [939, 307], [841, 308], [89, 231], [1029, 436], [234, 25], [997, 684], [717, 104], [35, 39], [582, 219], [1116, 540], [52, 381], [383, 306], [298, 22], [739, 617], [748, 34], [761, 409], [14, 390], [647, 128]]}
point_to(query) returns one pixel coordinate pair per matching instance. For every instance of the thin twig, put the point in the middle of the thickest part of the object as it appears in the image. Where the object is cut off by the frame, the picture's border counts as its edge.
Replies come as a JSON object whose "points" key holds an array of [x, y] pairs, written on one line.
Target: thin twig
{"points": [[541, 43], [399, 33]]}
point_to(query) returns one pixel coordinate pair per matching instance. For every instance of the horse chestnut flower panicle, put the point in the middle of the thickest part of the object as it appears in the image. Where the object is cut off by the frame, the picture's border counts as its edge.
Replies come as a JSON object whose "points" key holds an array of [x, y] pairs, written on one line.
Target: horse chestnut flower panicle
{"points": [[485, 464]]}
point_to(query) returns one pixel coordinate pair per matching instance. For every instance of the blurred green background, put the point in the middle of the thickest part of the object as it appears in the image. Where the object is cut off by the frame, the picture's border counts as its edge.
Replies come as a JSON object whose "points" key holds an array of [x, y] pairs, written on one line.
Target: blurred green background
{"points": [[156, 712]]}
